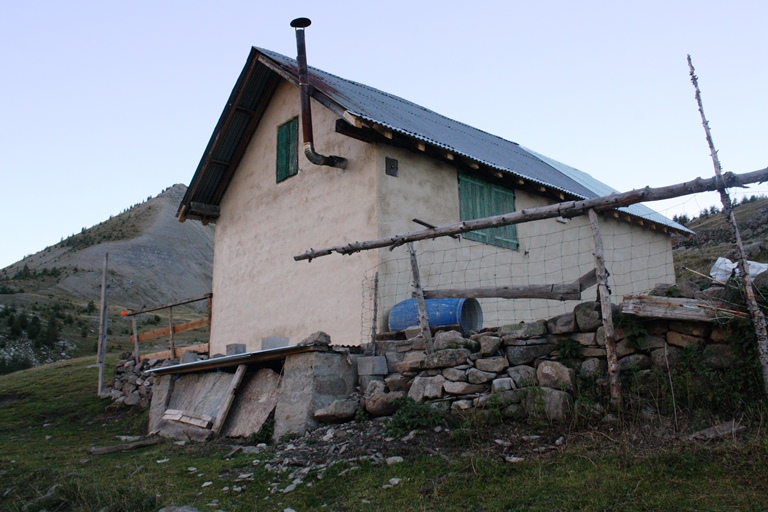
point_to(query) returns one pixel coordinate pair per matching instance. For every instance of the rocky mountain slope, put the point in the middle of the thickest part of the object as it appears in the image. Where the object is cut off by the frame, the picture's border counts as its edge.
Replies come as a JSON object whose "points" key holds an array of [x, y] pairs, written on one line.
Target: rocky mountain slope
{"points": [[53, 295], [153, 258]]}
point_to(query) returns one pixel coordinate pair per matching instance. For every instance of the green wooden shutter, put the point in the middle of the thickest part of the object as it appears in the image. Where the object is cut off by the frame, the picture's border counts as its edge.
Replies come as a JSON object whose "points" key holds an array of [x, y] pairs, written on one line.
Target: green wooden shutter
{"points": [[477, 199], [503, 201], [472, 202], [288, 149]]}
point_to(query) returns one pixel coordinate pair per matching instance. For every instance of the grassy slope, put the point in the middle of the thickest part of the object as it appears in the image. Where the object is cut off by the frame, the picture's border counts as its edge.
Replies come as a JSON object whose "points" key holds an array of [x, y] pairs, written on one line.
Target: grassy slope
{"points": [[593, 471], [701, 257]]}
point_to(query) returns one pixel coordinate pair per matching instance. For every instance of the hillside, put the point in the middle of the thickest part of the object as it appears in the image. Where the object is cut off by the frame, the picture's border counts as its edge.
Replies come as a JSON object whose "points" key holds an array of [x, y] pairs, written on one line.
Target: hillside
{"points": [[713, 239], [153, 260], [51, 419]]}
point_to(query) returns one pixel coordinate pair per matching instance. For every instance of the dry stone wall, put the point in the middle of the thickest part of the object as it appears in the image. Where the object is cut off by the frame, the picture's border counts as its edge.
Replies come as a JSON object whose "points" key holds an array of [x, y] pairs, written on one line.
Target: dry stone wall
{"points": [[132, 385], [519, 368]]}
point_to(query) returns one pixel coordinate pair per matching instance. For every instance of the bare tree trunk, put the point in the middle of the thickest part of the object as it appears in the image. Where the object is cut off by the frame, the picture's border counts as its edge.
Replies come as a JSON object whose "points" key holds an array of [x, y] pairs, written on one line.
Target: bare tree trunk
{"points": [[758, 318], [418, 292], [604, 294]]}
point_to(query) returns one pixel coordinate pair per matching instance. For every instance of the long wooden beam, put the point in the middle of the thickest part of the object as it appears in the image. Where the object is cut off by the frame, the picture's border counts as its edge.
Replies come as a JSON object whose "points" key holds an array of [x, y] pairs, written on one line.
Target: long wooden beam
{"points": [[540, 291], [565, 209], [130, 312], [166, 331], [166, 354]]}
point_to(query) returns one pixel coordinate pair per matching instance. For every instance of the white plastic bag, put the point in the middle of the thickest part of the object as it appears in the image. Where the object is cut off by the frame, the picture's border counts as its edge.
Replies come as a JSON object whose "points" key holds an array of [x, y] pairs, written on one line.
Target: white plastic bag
{"points": [[723, 267]]}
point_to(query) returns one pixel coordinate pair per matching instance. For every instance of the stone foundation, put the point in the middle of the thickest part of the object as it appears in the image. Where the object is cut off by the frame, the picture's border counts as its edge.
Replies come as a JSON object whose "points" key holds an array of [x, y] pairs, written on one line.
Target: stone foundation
{"points": [[517, 367]]}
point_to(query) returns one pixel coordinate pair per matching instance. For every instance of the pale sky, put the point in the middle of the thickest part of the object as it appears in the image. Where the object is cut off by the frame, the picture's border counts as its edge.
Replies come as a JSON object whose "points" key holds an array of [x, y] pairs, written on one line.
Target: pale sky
{"points": [[104, 103]]}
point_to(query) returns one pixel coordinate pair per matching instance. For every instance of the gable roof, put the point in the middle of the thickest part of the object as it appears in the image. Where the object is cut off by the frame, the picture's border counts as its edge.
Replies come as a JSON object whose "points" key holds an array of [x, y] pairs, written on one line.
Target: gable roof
{"points": [[367, 113]]}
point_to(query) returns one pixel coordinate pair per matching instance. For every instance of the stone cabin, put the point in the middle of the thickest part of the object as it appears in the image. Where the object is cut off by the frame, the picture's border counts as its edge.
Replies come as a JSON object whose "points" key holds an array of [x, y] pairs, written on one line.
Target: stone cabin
{"points": [[404, 162]]}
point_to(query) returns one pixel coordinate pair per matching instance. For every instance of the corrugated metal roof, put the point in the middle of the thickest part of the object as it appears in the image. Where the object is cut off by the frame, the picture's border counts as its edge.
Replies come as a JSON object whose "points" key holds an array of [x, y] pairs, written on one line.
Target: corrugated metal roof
{"points": [[416, 121], [397, 114]]}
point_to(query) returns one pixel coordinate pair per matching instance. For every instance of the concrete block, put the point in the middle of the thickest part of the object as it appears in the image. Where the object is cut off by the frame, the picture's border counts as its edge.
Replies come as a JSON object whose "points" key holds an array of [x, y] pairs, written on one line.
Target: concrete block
{"points": [[234, 348], [270, 342], [311, 381], [373, 365]]}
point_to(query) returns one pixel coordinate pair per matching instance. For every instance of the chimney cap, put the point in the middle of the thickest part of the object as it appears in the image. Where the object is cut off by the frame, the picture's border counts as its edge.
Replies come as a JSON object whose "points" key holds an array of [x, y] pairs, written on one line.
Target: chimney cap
{"points": [[301, 23]]}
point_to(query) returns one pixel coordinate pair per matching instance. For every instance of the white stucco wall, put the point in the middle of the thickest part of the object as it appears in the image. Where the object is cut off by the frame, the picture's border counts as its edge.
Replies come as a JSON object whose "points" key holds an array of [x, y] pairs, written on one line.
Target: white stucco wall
{"points": [[258, 289], [550, 251]]}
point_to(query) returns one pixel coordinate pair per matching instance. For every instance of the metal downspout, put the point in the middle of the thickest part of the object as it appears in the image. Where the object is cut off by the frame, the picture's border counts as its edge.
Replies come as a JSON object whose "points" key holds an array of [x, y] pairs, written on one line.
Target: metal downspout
{"points": [[306, 110]]}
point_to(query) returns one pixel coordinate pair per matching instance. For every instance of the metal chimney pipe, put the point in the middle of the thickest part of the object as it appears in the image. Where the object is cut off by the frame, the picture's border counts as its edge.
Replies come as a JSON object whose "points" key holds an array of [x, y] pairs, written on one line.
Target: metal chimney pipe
{"points": [[306, 110]]}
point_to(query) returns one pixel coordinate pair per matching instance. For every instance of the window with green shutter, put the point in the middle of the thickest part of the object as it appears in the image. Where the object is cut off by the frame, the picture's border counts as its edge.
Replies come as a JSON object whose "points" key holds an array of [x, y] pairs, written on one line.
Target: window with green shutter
{"points": [[288, 149], [478, 199]]}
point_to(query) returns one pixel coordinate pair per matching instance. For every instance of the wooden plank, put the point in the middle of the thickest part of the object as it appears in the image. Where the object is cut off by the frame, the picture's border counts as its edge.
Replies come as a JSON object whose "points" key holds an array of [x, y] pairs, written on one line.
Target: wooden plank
{"points": [[173, 415], [200, 348], [543, 291], [224, 411], [188, 417], [256, 399], [177, 328], [651, 306], [123, 447]]}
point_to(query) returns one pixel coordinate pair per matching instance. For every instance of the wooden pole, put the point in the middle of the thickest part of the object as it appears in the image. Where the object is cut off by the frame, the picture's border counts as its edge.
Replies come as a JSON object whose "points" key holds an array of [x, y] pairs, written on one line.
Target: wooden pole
{"points": [[418, 292], [604, 294], [135, 340], [172, 347], [565, 209], [165, 306], [539, 291], [758, 318], [102, 345], [222, 416], [375, 312]]}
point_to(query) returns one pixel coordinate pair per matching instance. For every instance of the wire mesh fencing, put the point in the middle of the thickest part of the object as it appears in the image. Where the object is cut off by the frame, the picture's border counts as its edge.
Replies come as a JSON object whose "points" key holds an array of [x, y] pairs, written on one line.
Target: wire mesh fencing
{"points": [[551, 251]]}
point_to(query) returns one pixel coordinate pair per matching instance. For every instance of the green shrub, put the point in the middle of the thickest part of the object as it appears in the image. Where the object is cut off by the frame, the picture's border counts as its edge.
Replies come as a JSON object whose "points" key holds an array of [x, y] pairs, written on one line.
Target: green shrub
{"points": [[411, 415]]}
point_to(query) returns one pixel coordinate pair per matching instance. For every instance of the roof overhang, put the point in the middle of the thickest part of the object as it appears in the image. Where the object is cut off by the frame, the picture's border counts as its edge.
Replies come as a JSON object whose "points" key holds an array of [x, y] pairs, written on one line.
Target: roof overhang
{"points": [[254, 90]]}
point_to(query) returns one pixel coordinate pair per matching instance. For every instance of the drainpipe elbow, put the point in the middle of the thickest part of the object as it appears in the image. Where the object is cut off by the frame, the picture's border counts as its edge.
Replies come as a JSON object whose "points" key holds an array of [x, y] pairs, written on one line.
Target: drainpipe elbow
{"points": [[318, 159]]}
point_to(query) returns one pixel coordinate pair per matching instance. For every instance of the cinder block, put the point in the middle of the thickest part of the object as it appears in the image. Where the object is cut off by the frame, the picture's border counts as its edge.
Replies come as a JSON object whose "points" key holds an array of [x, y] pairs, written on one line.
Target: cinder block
{"points": [[372, 365], [235, 348], [270, 342]]}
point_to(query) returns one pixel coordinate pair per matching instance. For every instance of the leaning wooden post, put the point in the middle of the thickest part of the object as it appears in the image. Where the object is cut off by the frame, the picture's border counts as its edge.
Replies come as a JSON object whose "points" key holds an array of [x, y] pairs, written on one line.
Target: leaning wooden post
{"points": [[209, 303], [102, 345], [758, 318], [375, 312], [604, 294], [170, 332], [418, 292], [135, 339], [224, 411]]}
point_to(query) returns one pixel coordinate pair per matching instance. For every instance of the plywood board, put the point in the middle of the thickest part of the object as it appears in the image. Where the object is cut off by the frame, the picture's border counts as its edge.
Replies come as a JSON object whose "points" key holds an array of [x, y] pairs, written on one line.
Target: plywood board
{"points": [[200, 395], [255, 400]]}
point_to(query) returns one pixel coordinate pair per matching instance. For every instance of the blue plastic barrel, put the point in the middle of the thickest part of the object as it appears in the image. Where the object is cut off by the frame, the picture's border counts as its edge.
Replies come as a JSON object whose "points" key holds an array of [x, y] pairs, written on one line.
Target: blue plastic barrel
{"points": [[466, 313]]}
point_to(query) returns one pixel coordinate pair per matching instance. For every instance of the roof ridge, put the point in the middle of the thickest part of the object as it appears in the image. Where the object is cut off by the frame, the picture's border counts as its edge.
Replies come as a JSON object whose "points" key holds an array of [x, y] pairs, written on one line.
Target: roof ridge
{"points": [[388, 94]]}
